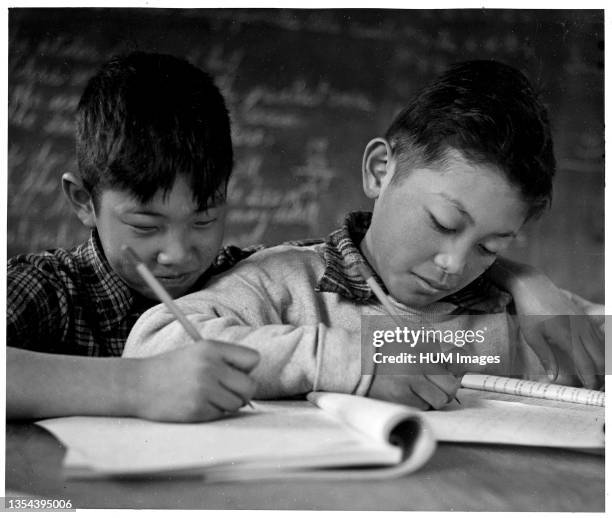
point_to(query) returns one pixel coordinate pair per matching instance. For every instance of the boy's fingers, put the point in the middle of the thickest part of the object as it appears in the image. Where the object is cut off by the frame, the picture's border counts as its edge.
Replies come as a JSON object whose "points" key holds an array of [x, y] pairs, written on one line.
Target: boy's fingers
{"points": [[539, 345], [593, 341], [239, 383], [212, 411], [241, 357], [417, 401], [448, 383], [225, 399], [221, 388], [573, 343], [577, 337], [585, 367], [206, 410], [430, 392]]}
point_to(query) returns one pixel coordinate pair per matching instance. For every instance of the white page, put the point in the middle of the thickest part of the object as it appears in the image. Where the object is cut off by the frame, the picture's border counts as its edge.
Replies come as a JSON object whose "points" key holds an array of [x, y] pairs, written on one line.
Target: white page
{"points": [[280, 433], [536, 389], [486, 417]]}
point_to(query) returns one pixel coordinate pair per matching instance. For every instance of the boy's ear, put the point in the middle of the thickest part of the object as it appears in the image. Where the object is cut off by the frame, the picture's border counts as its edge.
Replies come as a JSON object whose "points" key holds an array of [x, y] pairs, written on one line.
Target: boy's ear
{"points": [[375, 166], [79, 198]]}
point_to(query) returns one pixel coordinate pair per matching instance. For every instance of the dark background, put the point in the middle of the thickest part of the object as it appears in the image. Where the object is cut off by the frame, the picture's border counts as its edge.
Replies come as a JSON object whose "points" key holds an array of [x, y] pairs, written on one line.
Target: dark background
{"points": [[307, 89]]}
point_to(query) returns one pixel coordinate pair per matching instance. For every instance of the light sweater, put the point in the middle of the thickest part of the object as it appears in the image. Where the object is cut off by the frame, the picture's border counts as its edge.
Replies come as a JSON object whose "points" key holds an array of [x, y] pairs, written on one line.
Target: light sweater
{"points": [[308, 339]]}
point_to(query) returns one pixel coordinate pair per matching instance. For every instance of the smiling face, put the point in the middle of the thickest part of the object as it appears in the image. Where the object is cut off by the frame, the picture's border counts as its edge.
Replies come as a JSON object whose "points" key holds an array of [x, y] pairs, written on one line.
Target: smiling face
{"points": [[437, 228], [172, 237]]}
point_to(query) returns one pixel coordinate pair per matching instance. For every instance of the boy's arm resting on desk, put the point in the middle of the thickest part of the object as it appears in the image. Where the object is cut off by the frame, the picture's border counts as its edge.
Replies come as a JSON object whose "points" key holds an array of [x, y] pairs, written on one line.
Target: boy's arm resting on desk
{"points": [[554, 322], [42, 385], [294, 359], [181, 385], [249, 307]]}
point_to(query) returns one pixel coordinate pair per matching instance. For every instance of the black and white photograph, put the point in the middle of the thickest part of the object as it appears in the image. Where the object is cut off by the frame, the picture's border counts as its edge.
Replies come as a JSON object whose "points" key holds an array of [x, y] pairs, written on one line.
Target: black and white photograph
{"points": [[305, 259]]}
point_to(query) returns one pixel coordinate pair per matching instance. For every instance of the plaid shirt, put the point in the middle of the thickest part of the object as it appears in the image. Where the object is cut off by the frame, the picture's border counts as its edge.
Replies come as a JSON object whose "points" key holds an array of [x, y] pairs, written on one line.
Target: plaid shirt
{"points": [[72, 302], [341, 253]]}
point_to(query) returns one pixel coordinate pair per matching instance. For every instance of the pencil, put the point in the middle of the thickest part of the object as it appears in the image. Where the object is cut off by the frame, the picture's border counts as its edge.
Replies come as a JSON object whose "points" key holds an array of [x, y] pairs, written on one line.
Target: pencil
{"points": [[368, 277], [164, 296]]}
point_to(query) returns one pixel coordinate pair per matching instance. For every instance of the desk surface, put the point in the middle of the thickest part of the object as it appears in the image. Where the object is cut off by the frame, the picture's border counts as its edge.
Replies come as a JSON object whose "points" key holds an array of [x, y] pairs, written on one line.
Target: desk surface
{"points": [[457, 478]]}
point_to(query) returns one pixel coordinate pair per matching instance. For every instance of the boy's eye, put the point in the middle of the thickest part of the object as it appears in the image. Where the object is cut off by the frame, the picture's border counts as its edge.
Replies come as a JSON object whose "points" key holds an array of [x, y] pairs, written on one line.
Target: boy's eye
{"points": [[439, 227], [143, 229], [204, 224], [485, 251]]}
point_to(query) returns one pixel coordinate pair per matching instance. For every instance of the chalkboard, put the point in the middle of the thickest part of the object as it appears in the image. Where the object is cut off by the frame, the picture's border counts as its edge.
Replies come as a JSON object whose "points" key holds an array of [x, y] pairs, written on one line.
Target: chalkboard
{"points": [[307, 89]]}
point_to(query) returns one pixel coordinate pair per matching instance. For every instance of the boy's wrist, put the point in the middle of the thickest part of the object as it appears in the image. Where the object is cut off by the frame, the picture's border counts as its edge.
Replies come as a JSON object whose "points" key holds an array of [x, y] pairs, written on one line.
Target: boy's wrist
{"points": [[128, 386], [512, 276]]}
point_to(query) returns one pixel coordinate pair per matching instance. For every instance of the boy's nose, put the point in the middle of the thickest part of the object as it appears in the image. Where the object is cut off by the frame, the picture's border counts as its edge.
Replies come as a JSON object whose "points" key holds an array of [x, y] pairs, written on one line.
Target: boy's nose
{"points": [[451, 262], [176, 251]]}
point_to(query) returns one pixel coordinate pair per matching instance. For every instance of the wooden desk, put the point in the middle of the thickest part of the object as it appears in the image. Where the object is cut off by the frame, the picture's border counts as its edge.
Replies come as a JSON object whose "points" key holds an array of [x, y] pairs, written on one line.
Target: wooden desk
{"points": [[457, 478]]}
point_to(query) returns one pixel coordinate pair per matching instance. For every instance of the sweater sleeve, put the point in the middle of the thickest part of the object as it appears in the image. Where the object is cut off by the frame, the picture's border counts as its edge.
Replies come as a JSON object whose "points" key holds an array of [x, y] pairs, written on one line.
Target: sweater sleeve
{"points": [[250, 307]]}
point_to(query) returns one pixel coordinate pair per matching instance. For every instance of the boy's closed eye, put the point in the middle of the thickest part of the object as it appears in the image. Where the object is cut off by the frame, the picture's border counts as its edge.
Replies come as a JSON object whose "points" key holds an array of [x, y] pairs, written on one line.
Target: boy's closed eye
{"points": [[141, 225], [487, 252], [147, 228], [443, 227], [495, 245], [142, 228], [204, 223]]}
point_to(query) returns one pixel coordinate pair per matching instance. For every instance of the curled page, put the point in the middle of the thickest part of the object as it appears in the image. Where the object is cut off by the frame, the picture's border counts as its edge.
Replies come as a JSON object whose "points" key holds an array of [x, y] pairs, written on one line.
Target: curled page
{"points": [[381, 422]]}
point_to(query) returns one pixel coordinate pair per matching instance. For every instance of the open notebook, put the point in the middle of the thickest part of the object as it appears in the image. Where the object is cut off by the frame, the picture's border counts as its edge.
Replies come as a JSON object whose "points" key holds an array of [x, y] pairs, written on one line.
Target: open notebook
{"points": [[329, 436]]}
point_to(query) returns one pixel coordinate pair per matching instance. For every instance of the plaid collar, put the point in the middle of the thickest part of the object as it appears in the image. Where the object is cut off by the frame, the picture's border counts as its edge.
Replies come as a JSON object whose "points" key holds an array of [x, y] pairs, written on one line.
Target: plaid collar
{"points": [[112, 298], [341, 254]]}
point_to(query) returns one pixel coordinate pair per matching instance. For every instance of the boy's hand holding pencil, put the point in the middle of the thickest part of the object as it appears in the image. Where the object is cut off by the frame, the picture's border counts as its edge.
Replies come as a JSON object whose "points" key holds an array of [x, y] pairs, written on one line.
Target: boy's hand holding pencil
{"points": [[422, 391], [199, 382], [202, 381]]}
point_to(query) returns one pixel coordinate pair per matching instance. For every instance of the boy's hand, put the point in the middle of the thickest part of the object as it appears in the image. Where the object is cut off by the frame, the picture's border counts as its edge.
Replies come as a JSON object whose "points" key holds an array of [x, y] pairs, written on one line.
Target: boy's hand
{"points": [[200, 382], [423, 391], [596, 312], [557, 328]]}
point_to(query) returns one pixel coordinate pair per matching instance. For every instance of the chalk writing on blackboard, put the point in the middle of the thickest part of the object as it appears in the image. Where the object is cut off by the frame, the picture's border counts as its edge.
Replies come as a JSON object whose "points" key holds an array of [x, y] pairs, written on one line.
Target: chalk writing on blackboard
{"points": [[256, 203], [306, 90]]}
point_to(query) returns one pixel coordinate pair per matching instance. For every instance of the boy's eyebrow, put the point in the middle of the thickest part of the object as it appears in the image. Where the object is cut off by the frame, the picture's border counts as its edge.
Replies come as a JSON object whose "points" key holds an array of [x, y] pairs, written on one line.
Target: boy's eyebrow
{"points": [[459, 206]]}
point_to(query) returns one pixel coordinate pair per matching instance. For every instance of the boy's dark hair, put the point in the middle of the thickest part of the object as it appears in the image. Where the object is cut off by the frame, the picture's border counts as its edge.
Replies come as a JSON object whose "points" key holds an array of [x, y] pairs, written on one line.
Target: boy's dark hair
{"points": [[145, 119], [490, 113]]}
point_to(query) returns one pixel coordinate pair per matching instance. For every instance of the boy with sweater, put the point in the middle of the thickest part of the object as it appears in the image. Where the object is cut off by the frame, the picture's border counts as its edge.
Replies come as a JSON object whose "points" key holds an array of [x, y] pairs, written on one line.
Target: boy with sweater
{"points": [[456, 176]]}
